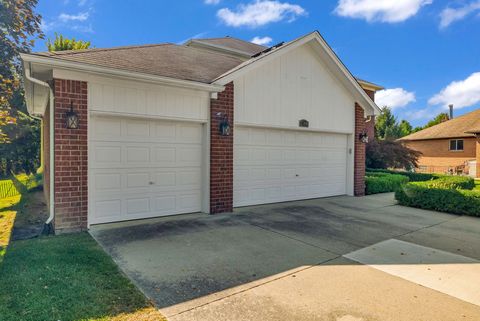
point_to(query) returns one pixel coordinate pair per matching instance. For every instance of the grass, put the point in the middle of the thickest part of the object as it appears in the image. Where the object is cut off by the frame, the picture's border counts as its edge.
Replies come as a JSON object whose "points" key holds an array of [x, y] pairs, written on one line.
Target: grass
{"points": [[477, 185], [67, 277]]}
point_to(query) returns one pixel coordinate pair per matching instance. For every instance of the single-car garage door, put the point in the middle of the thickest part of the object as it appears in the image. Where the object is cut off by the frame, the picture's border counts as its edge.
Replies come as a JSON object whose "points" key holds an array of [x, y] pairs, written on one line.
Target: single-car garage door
{"points": [[272, 165], [143, 168]]}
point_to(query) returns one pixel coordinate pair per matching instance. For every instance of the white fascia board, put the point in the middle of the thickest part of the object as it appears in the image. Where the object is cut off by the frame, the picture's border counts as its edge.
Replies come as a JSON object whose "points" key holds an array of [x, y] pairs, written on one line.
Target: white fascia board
{"points": [[76, 66], [341, 71]]}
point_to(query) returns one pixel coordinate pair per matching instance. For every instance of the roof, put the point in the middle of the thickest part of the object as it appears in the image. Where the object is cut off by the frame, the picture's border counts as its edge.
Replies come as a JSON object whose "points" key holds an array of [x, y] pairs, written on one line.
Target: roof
{"points": [[229, 43], [167, 60], [368, 84], [462, 126]]}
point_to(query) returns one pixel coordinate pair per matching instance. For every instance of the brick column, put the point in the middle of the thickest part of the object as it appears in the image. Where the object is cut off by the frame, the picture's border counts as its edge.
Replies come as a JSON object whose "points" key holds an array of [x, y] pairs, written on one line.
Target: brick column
{"points": [[71, 159], [359, 159], [221, 154], [477, 147]]}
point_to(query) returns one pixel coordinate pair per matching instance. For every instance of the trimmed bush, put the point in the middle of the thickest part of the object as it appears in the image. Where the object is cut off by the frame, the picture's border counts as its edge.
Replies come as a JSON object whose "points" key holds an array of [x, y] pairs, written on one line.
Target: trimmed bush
{"points": [[413, 177], [452, 182], [455, 201], [378, 182]]}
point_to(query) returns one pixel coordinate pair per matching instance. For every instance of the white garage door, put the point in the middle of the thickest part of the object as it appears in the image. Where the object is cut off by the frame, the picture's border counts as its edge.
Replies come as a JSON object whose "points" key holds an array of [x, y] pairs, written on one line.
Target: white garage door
{"points": [[143, 168], [272, 165]]}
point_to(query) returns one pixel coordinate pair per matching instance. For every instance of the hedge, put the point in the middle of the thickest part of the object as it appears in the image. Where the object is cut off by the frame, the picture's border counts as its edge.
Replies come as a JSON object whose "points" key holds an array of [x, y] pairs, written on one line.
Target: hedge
{"points": [[413, 177], [450, 200], [378, 182], [452, 182]]}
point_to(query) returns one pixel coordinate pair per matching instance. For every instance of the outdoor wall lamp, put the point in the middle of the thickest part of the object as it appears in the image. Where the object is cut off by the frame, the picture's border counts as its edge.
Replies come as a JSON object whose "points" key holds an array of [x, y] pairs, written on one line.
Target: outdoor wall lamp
{"points": [[71, 118], [363, 137], [224, 124]]}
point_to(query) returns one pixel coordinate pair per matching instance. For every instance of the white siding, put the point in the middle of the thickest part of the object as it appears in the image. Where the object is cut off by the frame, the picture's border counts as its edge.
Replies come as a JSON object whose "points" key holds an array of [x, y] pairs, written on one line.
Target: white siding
{"points": [[295, 86], [135, 98]]}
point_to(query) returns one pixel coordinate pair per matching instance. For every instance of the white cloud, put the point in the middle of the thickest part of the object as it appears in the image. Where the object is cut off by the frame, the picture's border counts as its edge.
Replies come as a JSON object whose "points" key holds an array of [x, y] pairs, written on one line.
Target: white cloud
{"points": [[213, 2], [81, 3], [394, 98], [462, 93], [262, 40], [260, 12], [450, 15], [391, 11], [82, 16]]}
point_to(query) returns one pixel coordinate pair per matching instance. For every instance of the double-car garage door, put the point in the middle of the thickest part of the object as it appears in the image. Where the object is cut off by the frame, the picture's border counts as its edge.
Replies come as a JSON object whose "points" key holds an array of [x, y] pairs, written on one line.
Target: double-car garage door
{"points": [[142, 168], [272, 165]]}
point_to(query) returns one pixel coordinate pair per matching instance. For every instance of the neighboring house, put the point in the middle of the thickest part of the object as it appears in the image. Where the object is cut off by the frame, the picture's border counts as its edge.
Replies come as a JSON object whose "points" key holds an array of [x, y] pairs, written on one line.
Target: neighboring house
{"points": [[449, 147], [202, 127]]}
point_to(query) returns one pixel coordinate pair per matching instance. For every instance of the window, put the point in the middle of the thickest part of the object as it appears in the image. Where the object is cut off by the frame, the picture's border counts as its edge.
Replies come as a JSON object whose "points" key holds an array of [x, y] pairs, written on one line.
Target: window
{"points": [[456, 144]]}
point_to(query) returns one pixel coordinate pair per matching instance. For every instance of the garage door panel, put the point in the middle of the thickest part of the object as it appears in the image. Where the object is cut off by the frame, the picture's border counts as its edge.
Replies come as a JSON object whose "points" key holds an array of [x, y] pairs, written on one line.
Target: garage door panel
{"points": [[288, 166], [152, 168]]}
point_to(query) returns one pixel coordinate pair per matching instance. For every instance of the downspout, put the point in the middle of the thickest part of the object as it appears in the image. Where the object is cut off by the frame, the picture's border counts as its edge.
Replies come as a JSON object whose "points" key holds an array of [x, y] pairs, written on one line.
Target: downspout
{"points": [[50, 102]]}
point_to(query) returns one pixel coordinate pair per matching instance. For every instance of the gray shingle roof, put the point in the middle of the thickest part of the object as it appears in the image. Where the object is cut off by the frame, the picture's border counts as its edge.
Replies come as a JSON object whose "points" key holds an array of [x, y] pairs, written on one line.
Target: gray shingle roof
{"points": [[233, 44], [167, 60]]}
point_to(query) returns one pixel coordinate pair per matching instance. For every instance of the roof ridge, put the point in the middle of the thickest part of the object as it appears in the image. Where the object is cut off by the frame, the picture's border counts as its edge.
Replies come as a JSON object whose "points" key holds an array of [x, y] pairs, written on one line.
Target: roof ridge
{"points": [[73, 51], [228, 37]]}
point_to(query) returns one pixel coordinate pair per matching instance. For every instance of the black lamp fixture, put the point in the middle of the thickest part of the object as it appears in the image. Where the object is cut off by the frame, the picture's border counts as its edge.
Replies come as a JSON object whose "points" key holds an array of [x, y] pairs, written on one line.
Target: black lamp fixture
{"points": [[71, 118], [363, 137], [224, 124]]}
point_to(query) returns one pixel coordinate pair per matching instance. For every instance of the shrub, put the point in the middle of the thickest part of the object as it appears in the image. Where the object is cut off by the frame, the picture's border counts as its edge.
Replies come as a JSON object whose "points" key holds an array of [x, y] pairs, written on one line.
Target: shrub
{"points": [[378, 182], [413, 177], [390, 154], [455, 201], [452, 182]]}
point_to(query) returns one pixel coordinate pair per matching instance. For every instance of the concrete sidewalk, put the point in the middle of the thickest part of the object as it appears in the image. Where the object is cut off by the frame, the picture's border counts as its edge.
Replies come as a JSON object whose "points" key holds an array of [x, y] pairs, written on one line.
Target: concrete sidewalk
{"points": [[289, 262]]}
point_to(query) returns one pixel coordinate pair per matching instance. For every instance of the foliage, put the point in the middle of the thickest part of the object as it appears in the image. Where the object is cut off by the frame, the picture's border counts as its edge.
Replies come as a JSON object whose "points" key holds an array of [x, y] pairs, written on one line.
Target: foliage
{"points": [[67, 277], [452, 182], [412, 176], [19, 25], [390, 154], [377, 182], [20, 153], [405, 128], [61, 43], [450, 200], [440, 118]]}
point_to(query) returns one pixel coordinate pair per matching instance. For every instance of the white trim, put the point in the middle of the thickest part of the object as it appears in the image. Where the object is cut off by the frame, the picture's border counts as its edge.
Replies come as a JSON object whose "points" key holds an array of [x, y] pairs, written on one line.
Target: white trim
{"points": [[55, 62], [130, 115], [312, 130], [356, 89]]}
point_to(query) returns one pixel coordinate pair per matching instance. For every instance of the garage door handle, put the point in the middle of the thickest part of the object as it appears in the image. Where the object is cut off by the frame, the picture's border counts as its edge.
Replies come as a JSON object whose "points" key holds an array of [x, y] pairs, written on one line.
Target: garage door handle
{"points": [[297, 175], [151, 183]]}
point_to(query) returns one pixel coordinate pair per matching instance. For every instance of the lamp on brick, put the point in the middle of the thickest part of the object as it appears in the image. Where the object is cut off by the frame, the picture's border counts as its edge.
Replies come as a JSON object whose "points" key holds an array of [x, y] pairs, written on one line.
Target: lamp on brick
{"points": [[224, 124], [363, 137], [71, 118]]}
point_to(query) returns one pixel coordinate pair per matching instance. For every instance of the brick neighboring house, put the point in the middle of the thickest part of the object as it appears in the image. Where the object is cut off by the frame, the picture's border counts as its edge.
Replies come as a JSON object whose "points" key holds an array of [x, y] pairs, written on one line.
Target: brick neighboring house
{"points": [[206, 126], [449, 147]]}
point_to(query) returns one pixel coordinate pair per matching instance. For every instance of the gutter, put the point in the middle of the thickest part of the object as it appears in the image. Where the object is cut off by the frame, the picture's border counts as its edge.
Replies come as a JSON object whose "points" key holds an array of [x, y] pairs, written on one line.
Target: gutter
{"points": [[50, 101]]}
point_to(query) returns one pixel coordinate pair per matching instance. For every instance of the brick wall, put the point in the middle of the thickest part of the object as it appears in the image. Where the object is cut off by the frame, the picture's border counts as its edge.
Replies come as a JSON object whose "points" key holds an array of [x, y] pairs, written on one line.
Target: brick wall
{"points": [[359, 157], [438, 158], [478, 156], [221, 154], [370, 124], [71, 197]]}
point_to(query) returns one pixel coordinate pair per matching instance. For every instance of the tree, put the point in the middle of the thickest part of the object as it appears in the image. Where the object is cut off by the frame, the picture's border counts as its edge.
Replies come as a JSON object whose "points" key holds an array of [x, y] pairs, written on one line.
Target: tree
{"points": [[19, 26], [390, 154], [440, 118], [60, 43], [405, 128]]}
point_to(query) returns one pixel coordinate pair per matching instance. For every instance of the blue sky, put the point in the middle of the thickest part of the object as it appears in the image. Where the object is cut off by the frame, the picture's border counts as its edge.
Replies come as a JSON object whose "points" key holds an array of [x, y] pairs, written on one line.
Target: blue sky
{"points": [[426, 53]]}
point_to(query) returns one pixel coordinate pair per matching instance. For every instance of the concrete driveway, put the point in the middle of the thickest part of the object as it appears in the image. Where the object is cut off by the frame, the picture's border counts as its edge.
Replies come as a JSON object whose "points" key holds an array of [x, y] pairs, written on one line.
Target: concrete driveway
{"points": [[340, 258]]}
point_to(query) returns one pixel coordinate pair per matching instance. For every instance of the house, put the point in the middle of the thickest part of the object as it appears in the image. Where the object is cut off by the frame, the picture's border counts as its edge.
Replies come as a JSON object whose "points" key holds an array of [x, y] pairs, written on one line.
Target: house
{"points": [[449, 147], [202, 127]]}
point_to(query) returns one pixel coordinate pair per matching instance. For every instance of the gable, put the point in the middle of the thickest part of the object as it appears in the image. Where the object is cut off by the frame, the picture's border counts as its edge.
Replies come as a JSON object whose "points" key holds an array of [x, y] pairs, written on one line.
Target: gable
{"points": [[293, 86]]}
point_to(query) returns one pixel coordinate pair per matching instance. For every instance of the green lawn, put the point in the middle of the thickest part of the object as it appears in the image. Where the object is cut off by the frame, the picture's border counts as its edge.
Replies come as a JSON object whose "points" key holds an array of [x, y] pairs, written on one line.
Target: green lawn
{"points": [[67, 278], [477, 184]]}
